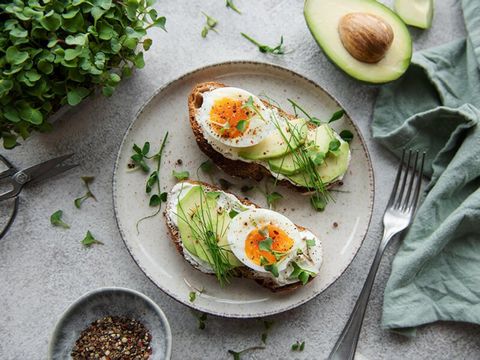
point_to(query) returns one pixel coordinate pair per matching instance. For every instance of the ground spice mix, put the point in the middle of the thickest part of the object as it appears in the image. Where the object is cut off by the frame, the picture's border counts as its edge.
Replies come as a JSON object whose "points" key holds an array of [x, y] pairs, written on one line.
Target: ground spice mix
{"points": [[113, 338]]}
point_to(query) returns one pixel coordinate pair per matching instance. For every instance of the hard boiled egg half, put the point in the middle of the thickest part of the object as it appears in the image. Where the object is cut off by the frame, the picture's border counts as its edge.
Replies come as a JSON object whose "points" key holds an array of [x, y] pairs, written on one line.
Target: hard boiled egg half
{"points": [[261, 237], [226, 116]]}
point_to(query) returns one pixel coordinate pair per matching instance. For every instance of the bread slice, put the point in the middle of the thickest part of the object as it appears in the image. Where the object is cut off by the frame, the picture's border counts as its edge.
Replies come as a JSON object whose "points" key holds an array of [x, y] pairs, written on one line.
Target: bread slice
{"points": [[236, 168], [241, 272]]}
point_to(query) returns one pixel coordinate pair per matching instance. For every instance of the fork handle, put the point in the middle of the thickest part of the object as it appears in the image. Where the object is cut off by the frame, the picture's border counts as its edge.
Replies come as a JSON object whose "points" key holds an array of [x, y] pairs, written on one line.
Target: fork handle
{"points": [[346, 344]]}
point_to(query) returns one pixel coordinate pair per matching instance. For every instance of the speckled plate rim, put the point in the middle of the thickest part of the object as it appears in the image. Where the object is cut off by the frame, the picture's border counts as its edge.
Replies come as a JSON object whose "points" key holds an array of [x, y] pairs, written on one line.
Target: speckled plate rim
{"points": [[210, 67], [71, 308]]}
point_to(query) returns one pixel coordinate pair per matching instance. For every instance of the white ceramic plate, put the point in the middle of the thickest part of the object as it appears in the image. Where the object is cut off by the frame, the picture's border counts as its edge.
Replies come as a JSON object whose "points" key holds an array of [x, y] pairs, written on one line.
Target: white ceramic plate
{"points": [[152, 247]]}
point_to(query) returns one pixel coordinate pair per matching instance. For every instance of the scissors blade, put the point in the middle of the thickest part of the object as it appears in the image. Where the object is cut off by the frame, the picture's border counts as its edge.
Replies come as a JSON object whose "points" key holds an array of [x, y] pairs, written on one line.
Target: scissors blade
{"points": [[55, 171], [40, 169]]}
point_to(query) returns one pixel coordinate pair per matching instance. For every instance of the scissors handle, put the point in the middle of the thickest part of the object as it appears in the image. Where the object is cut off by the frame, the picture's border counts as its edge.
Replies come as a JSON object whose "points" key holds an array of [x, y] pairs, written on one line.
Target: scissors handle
{"points": [[17, 187]]}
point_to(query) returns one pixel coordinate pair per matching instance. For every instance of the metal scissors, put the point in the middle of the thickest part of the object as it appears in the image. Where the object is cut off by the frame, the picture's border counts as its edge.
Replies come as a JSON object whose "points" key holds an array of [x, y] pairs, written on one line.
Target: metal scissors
{"points": [[34, 174]]}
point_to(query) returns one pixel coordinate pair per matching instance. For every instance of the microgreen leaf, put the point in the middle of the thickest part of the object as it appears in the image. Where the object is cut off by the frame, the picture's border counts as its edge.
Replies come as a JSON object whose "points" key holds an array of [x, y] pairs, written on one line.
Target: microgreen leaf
{"points": [[210, 24], [207, 166], [266, 245], [318, 202], [59, 52], [242, 125], [87, 180], [273, 197], [334, 145], [232, 213], [298, 346], [155, 200], [336, 115], [232, 6], [89, 240], [56, 220], [346, 135], [263, 261], [192, 296], [180, 175], [277, 50], [310, 243], [272, 268], [201, 319]]}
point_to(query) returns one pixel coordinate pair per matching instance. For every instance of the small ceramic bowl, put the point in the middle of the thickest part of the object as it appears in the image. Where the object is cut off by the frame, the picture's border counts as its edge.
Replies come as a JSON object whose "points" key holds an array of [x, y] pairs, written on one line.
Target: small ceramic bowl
{"points": [[110, 301]]}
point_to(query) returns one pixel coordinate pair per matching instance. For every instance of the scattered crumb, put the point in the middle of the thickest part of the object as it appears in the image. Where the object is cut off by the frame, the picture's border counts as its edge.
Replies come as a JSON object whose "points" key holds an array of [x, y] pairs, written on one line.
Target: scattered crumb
{"points": [[335, 224], [179, 162], [340, 183]]}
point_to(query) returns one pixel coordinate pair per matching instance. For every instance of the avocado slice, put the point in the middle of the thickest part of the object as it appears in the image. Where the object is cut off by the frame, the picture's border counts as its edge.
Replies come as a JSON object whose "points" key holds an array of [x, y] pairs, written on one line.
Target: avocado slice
{"points": [[195, 202], [317, 141], [418, 13], [275, 144], [363, 38], [332, 168]]}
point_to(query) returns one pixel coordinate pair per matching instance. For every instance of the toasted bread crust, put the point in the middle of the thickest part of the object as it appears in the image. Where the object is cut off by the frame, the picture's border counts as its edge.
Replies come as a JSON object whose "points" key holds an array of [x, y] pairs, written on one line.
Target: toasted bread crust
{"points": [[243, 271]]}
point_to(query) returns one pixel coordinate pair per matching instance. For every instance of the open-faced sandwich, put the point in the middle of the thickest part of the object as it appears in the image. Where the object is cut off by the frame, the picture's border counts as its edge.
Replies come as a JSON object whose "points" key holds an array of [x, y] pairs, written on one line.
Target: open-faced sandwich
{"points": [[249, 137], [220, 234]]}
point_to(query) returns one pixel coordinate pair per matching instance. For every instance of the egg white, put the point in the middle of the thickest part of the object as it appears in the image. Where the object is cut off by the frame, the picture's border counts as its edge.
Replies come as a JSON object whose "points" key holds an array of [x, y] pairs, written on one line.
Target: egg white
{"points": [[258, 128], [245, 222]]}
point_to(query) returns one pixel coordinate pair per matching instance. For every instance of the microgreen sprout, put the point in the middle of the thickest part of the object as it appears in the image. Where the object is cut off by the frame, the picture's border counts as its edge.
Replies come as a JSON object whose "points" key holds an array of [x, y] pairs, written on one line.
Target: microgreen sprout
{"points": [[87, 180], [298, 346], [201, 319], [277, 50], [56, 220], [210, 24], [192, 296], [152, 185], [231, 5], [180, 175], [89, 240]]}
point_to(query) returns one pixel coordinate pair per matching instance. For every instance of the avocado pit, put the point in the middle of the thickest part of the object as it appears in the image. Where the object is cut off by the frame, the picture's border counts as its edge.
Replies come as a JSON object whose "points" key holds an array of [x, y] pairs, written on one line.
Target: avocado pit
{"points": [[365, 36]]}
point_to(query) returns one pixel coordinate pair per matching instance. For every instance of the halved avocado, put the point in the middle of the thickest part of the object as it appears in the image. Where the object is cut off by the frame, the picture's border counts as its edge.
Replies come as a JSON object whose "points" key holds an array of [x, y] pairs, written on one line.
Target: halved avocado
{"points": [[275, 144], [189, 205], [364, 38], [318, 140]]}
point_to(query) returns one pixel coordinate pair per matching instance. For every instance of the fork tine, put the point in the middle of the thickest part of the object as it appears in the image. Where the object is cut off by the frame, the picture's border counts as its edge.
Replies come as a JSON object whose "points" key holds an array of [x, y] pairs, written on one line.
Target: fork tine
{"points": [[397, 180], [398, 203], [410, 185], [416, 195]]}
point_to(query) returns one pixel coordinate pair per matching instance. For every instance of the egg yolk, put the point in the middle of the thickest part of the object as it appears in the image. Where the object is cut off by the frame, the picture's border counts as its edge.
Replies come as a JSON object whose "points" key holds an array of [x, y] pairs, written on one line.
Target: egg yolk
{"points": [[225, 116], [281, 243]]}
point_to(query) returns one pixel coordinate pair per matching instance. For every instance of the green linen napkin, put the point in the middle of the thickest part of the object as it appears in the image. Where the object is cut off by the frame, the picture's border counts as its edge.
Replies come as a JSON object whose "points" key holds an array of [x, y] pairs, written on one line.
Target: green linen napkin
{"points": [[435, 107]]}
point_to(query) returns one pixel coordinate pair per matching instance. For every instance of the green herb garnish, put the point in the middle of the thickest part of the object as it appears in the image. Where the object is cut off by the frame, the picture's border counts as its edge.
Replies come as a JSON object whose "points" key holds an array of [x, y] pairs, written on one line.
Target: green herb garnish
{"points": [[180, 175], [153, 180], [334, 145], [310, 243], [298, 346], [266, 245], [207, 229], [242, 125], [273, 197], [87, 180], [232, 6], [210, 24], [232, 213], [89, 240], [207, 166], [140, 156], [201, 320], [56, 220], [237, 354], [58, 52], [192, 296], [272, 268], [300, 274], [346, 135], [277, 50], [336, 115]]}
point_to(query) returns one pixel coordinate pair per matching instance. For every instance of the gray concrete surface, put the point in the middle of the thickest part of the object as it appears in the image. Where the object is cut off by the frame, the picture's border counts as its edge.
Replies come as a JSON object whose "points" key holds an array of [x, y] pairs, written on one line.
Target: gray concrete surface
{"points": [[43, 269]]}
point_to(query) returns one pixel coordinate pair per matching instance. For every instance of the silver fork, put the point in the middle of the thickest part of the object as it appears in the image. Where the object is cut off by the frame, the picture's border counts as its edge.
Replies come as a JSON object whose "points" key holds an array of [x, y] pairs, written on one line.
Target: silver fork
{"points": [[398, 216]]}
